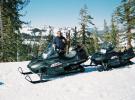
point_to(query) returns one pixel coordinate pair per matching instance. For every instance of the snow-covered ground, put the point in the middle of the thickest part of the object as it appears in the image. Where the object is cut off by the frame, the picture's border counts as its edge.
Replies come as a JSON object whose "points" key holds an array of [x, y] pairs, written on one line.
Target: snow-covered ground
{"points": [[117, 84]]}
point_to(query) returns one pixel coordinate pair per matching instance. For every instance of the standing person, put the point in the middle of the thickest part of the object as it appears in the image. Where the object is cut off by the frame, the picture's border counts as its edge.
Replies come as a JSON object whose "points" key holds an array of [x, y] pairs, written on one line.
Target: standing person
{"points": [[59, 43]]}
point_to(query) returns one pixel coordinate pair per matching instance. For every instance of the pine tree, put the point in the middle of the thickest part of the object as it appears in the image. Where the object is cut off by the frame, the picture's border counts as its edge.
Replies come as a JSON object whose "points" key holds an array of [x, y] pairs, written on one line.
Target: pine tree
{"points": [[114, 32], [11, 38], [126, 16], [85, 20], [107, 35], [74, 39], [95, 38]]}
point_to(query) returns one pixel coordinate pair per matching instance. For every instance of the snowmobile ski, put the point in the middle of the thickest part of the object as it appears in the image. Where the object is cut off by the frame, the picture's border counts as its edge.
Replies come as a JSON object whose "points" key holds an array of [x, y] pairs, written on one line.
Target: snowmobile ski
{"points": [[28, 78], [22, 72]]}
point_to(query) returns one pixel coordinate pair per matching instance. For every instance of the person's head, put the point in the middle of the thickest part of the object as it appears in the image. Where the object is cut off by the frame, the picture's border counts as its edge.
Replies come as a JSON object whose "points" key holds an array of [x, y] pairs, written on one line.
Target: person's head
{"points": [[59, 33]]}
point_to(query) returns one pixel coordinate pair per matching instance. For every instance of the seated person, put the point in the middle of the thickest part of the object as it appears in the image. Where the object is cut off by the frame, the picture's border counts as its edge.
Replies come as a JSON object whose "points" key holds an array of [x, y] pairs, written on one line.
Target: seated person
{"points": [[81, 51], [59, 43]]}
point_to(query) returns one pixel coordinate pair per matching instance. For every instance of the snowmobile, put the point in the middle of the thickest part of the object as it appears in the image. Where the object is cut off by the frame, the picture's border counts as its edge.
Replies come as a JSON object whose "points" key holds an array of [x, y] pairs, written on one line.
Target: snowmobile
{"points": [[50, 64], [108, 58]]}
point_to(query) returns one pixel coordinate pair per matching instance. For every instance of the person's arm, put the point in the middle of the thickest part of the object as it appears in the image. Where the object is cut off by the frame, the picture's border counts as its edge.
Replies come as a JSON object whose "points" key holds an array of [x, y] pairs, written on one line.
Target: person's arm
{"points": [[54, 43]]}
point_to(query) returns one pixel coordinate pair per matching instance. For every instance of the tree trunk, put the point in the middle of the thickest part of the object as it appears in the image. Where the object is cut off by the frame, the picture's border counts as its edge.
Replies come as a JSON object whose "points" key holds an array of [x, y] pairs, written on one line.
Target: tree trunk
{"points": [[83, 34], [129, 37]]}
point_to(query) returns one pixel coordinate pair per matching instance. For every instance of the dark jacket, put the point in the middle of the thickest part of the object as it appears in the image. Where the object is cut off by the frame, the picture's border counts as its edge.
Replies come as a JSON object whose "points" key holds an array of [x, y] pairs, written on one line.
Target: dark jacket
{"points": [[59, 42]]}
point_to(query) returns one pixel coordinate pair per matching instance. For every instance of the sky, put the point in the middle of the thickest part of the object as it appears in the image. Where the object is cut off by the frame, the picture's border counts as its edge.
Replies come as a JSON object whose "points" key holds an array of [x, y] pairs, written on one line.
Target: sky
{"points": [[65, 13]]}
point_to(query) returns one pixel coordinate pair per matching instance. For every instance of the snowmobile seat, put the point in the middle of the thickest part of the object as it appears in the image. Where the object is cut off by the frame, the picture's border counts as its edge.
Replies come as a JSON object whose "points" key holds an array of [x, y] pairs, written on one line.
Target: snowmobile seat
{"points": [[111, 53], [70, 54], [128, 54]]}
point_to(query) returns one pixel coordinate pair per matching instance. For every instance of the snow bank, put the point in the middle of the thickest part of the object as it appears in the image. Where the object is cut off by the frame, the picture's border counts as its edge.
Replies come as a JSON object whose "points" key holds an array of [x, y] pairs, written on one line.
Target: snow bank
{"points": [[117, 84]]}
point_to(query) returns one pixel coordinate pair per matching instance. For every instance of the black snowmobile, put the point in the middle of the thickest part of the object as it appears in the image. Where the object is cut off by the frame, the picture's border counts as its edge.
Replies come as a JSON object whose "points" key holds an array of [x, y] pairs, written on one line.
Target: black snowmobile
{"points": [[49, 64], [108, 58]]}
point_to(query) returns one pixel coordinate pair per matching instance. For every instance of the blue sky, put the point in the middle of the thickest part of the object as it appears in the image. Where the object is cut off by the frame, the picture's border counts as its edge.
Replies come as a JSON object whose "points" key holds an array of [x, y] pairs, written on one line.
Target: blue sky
{"points": [[60, 13]]}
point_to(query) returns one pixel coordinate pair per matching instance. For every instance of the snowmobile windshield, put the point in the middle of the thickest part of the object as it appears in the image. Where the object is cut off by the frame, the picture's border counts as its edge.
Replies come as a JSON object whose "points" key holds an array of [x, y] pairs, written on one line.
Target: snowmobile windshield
{"points": [[49, 53], [107, 46]]}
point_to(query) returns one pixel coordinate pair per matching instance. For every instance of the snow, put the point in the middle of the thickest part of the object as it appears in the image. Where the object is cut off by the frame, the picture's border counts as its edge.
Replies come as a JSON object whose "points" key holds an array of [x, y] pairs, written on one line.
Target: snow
{"points": [[117, 84]]}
